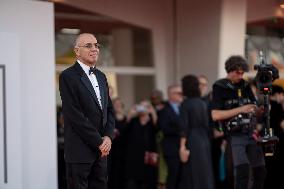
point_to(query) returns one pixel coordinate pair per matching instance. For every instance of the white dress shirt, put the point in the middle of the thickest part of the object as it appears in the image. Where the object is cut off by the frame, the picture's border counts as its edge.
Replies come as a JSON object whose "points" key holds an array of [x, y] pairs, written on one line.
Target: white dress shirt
{"points": [[92, 77]]}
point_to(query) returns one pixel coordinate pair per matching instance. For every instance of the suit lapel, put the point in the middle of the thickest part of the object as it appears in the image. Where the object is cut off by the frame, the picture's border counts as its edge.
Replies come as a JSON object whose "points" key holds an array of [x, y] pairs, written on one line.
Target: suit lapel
{"points": [[102, 90], [85, 80], [89, 86]]}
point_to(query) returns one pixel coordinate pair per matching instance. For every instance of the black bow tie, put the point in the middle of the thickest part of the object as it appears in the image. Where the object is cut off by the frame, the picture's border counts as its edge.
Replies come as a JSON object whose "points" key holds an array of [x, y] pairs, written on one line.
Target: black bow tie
{"points": [[92, 70]]}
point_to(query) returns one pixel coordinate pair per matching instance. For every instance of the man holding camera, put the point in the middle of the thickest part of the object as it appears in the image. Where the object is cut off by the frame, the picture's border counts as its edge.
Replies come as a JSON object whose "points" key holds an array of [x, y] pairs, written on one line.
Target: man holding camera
{"points": [[234, 105]]}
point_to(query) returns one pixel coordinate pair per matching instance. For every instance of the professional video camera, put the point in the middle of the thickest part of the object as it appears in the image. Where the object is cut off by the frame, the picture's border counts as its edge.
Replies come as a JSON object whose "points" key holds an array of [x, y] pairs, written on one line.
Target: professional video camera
{"points": [[266, 74]]}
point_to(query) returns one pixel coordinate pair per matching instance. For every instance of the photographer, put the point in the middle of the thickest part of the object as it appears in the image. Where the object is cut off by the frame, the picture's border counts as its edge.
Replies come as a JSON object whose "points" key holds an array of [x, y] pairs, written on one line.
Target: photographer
{"points": [[234, 105]]}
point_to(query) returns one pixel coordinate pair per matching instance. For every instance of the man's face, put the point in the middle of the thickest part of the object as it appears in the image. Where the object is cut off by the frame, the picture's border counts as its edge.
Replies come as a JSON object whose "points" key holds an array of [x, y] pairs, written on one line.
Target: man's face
{"points": [[203, 85], [175, 95], [236, 76], [87, 50], [118, 106], [156, 99], [279, 97]]}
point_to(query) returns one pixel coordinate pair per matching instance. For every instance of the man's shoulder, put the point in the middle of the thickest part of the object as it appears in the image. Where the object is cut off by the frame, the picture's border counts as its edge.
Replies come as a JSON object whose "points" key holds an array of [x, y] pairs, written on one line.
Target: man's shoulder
{"points": [[226, 84], [101, 73], [219, 86], [165, 110], [167, 106], [68, 70], [221, 82]]}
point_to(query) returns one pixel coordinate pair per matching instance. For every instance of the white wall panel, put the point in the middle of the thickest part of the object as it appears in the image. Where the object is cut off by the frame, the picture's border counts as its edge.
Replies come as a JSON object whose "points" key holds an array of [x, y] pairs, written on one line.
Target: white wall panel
{"points": [[32, 128]]}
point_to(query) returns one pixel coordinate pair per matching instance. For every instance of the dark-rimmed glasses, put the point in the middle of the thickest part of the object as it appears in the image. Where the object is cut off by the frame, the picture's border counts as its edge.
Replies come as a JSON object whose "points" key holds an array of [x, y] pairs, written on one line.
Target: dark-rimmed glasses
{"points": [[90, 45]]}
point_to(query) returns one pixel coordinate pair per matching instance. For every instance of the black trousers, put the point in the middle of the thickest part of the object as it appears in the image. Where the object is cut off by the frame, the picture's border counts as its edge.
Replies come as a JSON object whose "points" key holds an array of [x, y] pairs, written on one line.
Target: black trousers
{"points": [[87, 175], [246, 153], [174, 165]]}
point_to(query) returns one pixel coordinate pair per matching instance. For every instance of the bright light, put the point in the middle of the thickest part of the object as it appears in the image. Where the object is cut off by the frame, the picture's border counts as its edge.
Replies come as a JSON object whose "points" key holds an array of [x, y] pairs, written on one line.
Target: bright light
{"points": [[70, 31], [282, 6]]}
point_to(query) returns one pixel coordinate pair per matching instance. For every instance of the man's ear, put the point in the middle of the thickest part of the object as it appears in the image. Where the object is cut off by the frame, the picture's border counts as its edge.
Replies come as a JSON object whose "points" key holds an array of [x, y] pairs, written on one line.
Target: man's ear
{"points": [[76, 50]]}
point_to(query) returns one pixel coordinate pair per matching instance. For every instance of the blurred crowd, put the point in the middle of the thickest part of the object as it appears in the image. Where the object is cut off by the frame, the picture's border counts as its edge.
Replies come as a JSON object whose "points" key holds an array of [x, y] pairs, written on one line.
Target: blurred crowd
{"points": [[151, 149]]}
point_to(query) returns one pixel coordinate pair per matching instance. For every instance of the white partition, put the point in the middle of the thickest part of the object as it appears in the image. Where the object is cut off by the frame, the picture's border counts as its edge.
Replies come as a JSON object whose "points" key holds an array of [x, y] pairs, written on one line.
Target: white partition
{"points": [[10, 145], [27, 53]]}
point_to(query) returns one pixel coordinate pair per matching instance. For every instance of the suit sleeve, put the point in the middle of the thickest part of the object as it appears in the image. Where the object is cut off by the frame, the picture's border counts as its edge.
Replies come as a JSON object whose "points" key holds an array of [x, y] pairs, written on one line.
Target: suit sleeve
{"points": [[110, 124], [167, 126], [73, 114]]}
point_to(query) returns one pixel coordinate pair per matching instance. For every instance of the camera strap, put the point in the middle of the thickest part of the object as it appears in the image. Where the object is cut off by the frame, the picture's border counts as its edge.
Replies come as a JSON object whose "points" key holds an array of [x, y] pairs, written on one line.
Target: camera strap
{"points": [[227, 84]]}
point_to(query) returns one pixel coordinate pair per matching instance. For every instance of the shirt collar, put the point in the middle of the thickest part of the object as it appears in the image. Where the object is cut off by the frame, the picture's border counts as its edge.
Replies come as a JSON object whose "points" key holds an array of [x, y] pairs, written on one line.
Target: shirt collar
{"points": [[84, 67], [175, 106]]}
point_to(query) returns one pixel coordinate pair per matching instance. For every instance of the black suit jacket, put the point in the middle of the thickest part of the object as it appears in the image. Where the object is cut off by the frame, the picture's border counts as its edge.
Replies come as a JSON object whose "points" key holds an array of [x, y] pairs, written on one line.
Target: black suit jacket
{"points": [[168, 122], [85, 123]]}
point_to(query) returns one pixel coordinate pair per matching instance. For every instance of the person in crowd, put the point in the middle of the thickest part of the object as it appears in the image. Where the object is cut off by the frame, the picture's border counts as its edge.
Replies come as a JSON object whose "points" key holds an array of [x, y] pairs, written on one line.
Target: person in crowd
{"points": [[258, 130], [168, 122], [274, 164], [111, 92], [116, 159], [207, 97], [218, 143], [60, 150], [162, 166], [88, 117], [157, 100], [203, 85], [195, 151], [234, 106], [141, 156]]}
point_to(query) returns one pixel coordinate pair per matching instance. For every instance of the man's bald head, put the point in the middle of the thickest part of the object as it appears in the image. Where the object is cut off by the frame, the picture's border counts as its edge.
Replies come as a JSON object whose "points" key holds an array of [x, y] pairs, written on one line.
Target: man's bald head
{"points": [[86, 48], [81, 37]]}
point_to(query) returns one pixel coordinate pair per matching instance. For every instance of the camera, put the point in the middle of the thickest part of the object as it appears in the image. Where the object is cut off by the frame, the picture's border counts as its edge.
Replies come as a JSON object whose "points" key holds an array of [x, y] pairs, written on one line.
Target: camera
{"points": [[266, 74], [141, 109], [239, 122]]}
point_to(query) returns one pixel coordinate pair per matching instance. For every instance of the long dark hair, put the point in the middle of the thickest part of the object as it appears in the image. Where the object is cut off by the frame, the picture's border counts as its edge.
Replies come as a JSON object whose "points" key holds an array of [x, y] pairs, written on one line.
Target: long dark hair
{"points": [[190, 86]]}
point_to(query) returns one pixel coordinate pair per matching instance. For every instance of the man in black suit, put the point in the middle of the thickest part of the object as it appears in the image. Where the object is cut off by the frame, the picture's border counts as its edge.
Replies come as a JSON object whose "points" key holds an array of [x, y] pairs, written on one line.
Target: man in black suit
{"points": [[168, 122], [88, 116]]}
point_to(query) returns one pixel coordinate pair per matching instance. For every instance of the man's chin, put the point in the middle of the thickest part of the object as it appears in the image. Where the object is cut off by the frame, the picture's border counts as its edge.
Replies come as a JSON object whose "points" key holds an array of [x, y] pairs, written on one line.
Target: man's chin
{"points": [[92, 62], [235, 81]]}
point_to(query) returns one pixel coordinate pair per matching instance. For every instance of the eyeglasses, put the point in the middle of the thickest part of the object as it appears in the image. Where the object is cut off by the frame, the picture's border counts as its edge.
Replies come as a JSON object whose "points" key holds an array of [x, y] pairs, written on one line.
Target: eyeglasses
{"points": [[203, 84], [177, 92], [90, 45]]}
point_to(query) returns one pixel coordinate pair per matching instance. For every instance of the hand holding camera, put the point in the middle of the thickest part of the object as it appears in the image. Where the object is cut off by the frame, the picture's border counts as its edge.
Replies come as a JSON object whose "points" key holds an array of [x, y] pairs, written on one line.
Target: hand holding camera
{"points": [[141, 108], [248, 108]]}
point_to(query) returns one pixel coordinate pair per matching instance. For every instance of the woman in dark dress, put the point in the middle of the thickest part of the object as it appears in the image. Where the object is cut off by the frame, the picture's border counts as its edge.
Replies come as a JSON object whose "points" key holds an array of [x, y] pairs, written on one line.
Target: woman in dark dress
{"points": [[197, 171]]}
